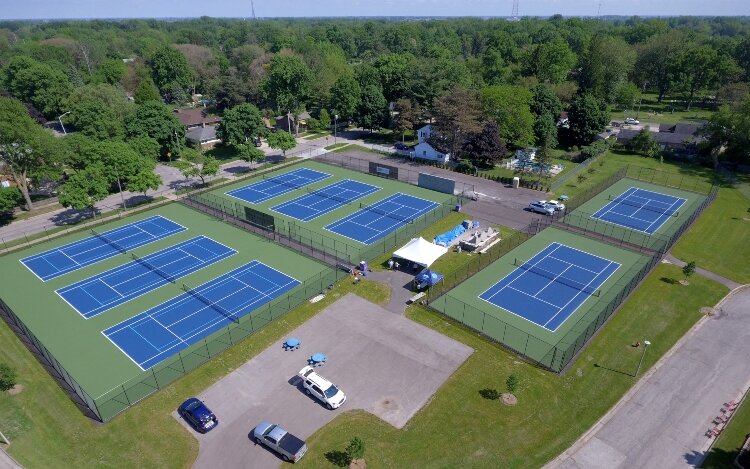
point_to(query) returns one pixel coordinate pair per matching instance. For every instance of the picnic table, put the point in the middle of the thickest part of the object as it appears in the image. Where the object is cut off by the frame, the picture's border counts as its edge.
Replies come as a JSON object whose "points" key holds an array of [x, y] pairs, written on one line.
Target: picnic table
{"points": [[292, 343], [318, 358]]}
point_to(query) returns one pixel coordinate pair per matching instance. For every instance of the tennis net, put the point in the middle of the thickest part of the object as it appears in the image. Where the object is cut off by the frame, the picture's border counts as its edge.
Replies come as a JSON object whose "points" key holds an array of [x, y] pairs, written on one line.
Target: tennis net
{"points": [[280, 181], [558, 278], [110, 242], [210, 304], [153, 268], [646, 206], [373, 209], [327, 195]]}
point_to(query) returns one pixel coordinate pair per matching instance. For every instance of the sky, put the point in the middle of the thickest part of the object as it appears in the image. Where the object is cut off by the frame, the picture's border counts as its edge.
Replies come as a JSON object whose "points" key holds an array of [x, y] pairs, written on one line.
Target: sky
{"points": [[54, 9]]}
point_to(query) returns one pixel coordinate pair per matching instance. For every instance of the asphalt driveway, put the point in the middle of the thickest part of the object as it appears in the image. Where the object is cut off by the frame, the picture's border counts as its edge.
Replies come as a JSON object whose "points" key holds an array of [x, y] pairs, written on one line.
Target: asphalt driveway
{"points": [[386, 364]]}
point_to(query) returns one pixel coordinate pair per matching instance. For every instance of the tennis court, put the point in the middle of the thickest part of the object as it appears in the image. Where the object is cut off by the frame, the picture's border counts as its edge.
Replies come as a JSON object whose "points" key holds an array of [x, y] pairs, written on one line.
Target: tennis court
{"points": [[59, 261], [326, 199], [278, 184], [164, 330], [552, 285], [114, 287], [640, 209], [375, 221]]}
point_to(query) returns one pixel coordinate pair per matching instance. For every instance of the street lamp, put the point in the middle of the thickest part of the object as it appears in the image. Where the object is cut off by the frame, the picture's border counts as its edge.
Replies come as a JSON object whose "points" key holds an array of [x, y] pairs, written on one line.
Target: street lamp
{"points": [[646, 343], [61, 124], [335, 126]]}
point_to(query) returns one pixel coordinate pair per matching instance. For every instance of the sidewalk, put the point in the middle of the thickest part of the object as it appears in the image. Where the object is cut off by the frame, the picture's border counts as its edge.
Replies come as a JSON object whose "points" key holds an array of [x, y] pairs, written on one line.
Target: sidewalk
{"points": [[7, 462], [661, 422]]}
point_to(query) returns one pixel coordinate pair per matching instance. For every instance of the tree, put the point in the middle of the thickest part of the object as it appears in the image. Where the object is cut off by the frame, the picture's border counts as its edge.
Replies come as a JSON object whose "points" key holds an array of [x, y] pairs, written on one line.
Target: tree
{"points": [[644, 143], [405, 116], [372, 112], [486, 147], [543, 159], [153, 119], [93, 119], [26, 149], [281, 141], [546, 108], [626, 94], [356, 449], [110, 71], [395, 72], [606, 63], [170, 67], [658, 62], [545, 131], [146, 147], [324, 118], [345, 97], [10, 198], [144, 180], [194, 163], [250, 153], [552, 61], [688, 270], [728, 134], [8, 377], [701, 68], [510, 107], [588, 116], [457, 116], [288, 84], [38, 84], [85, 188], [511, 384], [146, 91], [240, 124]]}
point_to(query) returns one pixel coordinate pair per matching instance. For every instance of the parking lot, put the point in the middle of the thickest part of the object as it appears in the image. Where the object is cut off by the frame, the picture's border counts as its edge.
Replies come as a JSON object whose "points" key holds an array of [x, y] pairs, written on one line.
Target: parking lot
{"points": [[385, 363]]}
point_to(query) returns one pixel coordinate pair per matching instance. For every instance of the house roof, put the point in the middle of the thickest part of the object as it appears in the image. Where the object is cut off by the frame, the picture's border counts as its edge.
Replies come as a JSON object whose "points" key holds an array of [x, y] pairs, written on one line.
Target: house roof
{"points": [[201, 134], [682, 129], [195, 116], [626, 135], [302, 116]]}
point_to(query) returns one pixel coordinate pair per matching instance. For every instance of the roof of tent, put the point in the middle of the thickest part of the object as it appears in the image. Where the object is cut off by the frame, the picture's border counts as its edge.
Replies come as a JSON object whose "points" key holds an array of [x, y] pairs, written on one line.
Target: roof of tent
{"points": [[420, 251]]}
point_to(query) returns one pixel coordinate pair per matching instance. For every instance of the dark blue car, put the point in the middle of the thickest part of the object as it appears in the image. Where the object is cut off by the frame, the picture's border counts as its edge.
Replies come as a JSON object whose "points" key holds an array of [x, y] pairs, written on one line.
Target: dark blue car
{"points": [[198, 415]]}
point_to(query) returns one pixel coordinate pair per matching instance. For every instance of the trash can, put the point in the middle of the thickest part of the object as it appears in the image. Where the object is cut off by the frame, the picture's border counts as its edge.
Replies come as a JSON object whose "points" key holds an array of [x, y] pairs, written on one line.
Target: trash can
{"points": [[516, 182]]}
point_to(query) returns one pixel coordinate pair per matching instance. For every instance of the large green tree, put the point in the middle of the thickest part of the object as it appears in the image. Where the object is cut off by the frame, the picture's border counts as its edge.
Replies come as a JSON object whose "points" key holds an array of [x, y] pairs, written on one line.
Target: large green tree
{"points": [[552, 61], [728, 134], [372, 112], [287, 84], [169, 67], [36, 83], [84, 188], [659, 64], [27, 151], [510, 107], [95, 120], [406, 116], [588, 116], [485, 147], [195, 163], [282, 141], [457, 116], [606, 63], [395, 71], [240, 124], [345, 97], [153, 119]]}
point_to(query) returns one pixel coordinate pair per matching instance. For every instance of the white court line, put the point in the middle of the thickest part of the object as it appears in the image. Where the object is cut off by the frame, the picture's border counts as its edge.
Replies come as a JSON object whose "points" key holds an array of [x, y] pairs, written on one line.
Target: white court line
{"points": [[680, 200], [520, 274], [557, 307]]}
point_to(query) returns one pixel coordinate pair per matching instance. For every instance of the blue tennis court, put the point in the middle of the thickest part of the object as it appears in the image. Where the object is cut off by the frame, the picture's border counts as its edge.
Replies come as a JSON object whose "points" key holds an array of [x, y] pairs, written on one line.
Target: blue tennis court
{"points": [[164, 330], [377, 220], [104, 291], [552, 285], [59, 261], [325, 199], [278, 184], [640, 209]]}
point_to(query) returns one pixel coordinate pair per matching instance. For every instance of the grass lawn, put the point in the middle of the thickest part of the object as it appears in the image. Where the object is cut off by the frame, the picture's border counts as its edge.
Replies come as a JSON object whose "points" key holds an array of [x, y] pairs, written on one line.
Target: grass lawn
{"points": [[47, 430], [718, 241], [354, 147], [389, 137], [223, 153], [459, 428], [725, 449], [670, 111], [316, 135]]}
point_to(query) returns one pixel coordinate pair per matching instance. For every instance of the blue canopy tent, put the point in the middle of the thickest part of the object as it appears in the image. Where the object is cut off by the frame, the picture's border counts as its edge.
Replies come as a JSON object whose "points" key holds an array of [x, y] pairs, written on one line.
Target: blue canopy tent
{"points": [[427, 278]]}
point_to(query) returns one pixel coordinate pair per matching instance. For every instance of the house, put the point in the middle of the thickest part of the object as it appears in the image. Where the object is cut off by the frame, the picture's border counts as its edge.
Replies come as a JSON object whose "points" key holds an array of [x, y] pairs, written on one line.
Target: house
{"points": [[283, 122], [676, 138], [205, 136], [423, 150], [563, 121], [195, 117]]}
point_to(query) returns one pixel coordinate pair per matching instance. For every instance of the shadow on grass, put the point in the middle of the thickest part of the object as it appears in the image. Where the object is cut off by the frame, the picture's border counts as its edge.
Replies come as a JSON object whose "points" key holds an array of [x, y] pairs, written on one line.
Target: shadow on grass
{"points": [[596, 365], [669, 280], [489, 394], [338, 458]]}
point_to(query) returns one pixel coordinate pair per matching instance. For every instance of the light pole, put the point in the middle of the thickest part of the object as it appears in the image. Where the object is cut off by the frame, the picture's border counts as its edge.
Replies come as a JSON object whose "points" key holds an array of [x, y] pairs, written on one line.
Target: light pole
{"points": [[646, 343], [335, 126], [643, 90], [61, 124]]}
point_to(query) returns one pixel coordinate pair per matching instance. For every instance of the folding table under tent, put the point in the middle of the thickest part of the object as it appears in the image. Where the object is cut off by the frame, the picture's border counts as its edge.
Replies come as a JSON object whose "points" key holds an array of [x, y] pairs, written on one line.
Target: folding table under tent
{"points": [[420, 251]]}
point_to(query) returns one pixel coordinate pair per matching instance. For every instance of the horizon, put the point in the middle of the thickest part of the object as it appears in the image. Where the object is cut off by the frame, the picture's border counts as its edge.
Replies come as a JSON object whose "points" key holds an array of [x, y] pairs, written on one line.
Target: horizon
{"points": [[62, 10]]}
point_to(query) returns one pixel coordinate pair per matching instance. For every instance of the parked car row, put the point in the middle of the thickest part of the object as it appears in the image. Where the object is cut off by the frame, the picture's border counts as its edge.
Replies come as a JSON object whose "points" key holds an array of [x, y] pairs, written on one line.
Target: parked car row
{"points": [[271, 435], [546, 207]]}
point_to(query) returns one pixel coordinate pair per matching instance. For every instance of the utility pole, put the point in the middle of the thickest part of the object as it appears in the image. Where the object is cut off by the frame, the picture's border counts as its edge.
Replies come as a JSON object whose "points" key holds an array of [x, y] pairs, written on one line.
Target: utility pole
{"points": [[599, 10], [514, 13], [252, 6], [646, 343]]}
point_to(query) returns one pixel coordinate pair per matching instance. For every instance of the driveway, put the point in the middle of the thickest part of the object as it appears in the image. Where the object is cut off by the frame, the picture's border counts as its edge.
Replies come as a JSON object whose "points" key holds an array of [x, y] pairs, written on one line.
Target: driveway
{"points": [[386, 364], [495, 204], [662, 421]]}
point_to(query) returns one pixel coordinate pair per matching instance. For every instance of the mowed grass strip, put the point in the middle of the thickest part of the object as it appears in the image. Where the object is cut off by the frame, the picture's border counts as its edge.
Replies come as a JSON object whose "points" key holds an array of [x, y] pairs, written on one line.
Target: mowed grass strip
{"points": [[47, 429], [719, 240], [459, 428], [728, 445]]}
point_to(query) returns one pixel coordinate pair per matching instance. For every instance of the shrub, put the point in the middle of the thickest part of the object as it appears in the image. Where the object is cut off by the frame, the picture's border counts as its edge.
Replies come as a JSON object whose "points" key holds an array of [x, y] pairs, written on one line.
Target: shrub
{"points": [[465, 166], [511, 384], [356, 448], [8, 377]]}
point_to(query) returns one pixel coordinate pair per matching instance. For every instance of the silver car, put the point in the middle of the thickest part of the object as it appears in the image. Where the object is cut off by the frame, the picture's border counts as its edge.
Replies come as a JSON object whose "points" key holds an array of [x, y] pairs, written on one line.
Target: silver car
{"points": [[544, 209]]}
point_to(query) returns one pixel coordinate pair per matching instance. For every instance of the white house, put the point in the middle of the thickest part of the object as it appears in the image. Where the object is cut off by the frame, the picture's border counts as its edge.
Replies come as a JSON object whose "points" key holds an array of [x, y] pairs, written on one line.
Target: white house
{"points": [[424, 150]]}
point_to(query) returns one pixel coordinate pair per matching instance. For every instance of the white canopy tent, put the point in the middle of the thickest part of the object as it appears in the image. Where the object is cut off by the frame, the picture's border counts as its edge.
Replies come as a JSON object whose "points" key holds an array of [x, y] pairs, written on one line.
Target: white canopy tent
{"points": [[420, 251]]}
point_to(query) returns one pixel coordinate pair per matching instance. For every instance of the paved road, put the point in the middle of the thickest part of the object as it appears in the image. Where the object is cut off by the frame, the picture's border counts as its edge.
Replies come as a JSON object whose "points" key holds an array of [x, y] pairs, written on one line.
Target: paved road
{"points": [[6, 462], [661, 422], [386, 364]]}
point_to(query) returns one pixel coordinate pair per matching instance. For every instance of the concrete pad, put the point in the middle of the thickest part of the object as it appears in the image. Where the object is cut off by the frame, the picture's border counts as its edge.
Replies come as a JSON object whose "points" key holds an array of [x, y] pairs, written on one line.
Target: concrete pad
{"points": [[598, 454], [386, 364]]}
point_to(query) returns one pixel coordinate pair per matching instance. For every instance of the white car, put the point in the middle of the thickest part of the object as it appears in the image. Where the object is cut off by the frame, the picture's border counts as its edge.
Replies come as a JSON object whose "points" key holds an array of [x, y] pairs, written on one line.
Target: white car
{"points": [[542, 208], [632, 121], [322, 389], [556, 204]]}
